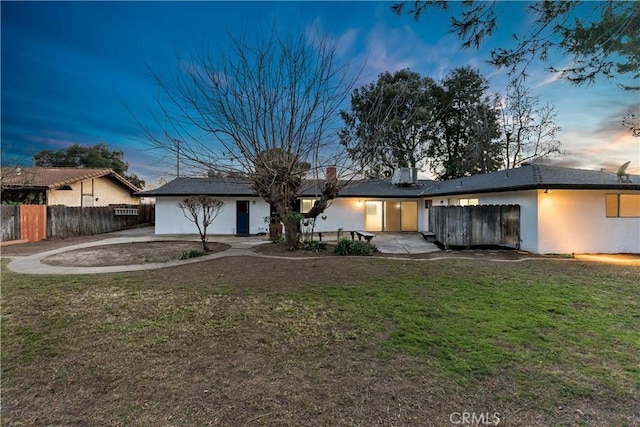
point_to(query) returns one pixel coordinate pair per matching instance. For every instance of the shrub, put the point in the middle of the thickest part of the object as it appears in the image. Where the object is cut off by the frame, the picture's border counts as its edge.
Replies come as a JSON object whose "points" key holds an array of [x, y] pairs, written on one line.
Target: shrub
{"points": [[357, 247], [344, 247], [360, 247], [193, 253], [316, 246]]}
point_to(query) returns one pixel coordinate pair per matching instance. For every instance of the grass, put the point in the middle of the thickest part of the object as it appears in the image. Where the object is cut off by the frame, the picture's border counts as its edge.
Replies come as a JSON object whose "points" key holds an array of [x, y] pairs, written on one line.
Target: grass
{"points": [[474, 327], [355, 342]]}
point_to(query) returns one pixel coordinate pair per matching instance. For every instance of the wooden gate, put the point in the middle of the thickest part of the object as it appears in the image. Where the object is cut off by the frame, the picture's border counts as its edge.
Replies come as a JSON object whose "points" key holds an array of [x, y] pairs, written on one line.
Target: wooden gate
{"points": [[476, 225], [33, 222]]}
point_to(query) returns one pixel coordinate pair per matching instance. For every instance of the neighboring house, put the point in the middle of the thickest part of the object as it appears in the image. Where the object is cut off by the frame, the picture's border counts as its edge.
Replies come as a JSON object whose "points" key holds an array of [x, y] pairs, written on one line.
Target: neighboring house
{"points": [[66, 186], [562, 210]]}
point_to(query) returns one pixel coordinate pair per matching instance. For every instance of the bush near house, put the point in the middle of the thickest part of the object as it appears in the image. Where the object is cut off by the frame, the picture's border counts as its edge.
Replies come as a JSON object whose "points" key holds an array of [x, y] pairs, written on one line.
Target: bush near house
{"points": [[355, 247]]}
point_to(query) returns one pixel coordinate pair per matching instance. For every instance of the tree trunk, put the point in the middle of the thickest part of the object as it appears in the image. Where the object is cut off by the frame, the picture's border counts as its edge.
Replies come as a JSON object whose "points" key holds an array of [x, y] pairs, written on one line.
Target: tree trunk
{"points": [[275, 231], [291, 235], [204, 244]]}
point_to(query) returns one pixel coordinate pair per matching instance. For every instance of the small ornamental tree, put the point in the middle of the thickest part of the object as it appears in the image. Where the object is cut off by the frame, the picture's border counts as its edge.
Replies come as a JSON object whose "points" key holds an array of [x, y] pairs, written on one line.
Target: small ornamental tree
{"points": [[201, 210]]}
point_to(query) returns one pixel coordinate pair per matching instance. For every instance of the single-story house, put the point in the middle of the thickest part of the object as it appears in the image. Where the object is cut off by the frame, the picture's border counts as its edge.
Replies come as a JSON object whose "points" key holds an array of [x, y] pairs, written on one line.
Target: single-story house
{"points": [[562, 210], [82, 187]]}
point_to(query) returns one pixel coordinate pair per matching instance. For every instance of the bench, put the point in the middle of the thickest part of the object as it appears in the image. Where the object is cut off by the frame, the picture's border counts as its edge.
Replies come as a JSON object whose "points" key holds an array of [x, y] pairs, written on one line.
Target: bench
{"points": [[367, 236]]}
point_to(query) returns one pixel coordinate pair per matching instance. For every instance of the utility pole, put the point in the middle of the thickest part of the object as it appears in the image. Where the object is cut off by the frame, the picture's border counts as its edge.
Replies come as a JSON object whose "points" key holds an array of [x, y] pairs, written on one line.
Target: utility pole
{"points": [[177, 141]]}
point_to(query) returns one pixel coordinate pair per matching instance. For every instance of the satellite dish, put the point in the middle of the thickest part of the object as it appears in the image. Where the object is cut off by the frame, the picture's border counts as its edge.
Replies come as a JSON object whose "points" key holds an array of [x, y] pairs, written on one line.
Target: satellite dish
{"points": [[623, 176]]}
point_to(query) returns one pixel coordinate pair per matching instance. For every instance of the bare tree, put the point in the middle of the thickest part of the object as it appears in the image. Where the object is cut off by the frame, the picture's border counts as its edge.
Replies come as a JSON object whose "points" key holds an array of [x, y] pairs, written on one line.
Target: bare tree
{"points": [[201, 210], [528, 129], [263, 111]]}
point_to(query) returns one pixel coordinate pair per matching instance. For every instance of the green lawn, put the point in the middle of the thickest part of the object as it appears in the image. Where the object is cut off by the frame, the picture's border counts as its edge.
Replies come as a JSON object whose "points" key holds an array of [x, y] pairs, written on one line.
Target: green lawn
{"points": [[325, 342]]}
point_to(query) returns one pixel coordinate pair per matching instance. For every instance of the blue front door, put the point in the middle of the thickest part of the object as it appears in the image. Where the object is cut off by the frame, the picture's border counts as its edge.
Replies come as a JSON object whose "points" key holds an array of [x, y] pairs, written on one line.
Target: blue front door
{"points": [[242, 217]]}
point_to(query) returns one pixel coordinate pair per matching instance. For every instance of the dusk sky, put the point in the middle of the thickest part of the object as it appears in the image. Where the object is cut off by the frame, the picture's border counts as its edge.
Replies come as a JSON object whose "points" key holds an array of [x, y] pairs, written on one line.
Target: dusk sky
{"points": [[75, 72]]}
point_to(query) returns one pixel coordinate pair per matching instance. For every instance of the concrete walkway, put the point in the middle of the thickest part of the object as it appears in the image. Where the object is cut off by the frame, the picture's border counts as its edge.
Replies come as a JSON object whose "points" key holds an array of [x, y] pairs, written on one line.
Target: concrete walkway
{"points": [[403, 243], [392, 243]]}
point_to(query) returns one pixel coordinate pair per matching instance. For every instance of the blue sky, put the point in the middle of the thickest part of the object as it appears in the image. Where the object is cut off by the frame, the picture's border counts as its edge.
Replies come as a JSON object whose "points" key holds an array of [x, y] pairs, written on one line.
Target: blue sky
{"points": [[76, 72]]}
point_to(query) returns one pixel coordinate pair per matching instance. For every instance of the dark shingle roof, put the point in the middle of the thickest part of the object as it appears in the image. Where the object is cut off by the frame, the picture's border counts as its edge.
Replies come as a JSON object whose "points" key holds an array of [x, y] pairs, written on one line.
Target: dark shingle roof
{"points": [[52, 178], [374, 188], [532, 177], [522, 178], [185, 186]]}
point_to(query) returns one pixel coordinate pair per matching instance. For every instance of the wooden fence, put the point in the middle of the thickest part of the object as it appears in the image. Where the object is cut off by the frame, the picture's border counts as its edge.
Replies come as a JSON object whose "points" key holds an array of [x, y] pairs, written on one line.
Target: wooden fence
{"points": [[10, 223], [62, 221], [476, 225], [33, 222]]}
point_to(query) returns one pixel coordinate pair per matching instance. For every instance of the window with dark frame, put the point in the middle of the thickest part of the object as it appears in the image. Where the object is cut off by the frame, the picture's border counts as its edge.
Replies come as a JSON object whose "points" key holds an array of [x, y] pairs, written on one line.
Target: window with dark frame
{"points": [[622, 205]]}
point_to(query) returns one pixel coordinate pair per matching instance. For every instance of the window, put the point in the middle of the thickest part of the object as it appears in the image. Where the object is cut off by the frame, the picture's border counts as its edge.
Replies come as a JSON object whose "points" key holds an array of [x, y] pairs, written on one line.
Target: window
{"points": [[306, 205], [469, 202], [622, 205], [428, 204]]}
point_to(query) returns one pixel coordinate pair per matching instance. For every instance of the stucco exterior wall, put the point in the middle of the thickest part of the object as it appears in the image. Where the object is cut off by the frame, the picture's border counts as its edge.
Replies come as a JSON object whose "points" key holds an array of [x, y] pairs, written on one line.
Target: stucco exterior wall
{"points": [[575, 221], [104, 190], [565, 221], [348, 213], [71, 197], [345, 213], [171, 220], [109, 193]]}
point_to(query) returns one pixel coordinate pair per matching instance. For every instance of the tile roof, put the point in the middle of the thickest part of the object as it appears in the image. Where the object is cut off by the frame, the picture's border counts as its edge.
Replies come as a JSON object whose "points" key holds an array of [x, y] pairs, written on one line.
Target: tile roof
{"points": [[52, 178], [522, 178]]}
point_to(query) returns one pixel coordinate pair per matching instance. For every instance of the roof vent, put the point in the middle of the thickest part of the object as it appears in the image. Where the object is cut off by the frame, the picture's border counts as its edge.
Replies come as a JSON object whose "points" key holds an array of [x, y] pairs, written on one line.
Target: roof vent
{"points": [[405, 176]]}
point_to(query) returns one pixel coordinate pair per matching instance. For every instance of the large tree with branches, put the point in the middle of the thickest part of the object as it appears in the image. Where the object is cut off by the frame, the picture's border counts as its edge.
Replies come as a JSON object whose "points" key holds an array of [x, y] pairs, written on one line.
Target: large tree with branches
{"points": [[528, 128], [602, 38], [389, 123], [466, 136], [264, 111]]}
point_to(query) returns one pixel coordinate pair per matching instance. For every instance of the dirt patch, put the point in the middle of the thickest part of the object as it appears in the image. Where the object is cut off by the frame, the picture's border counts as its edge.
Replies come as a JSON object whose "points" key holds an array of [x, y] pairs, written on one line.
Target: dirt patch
{"points": [[129, 253], [31, 248], [280, 249], [163, 251]]}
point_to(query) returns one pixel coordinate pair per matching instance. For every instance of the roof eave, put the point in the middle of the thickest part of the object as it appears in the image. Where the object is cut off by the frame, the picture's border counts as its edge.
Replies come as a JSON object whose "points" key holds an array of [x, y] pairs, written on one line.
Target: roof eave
{"points": [[612, 187]]}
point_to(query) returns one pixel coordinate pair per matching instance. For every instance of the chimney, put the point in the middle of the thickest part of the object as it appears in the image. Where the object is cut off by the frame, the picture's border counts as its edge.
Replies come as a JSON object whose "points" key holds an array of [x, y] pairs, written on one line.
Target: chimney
{"points": [[332, 175]]}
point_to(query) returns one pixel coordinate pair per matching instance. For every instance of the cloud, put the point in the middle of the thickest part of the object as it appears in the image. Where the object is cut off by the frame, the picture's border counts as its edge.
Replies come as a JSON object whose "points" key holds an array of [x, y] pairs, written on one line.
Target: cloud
{"points": [[551, 77], [393, 49], [346, 42], [50, 142], [612, 124], [600, 150]]}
